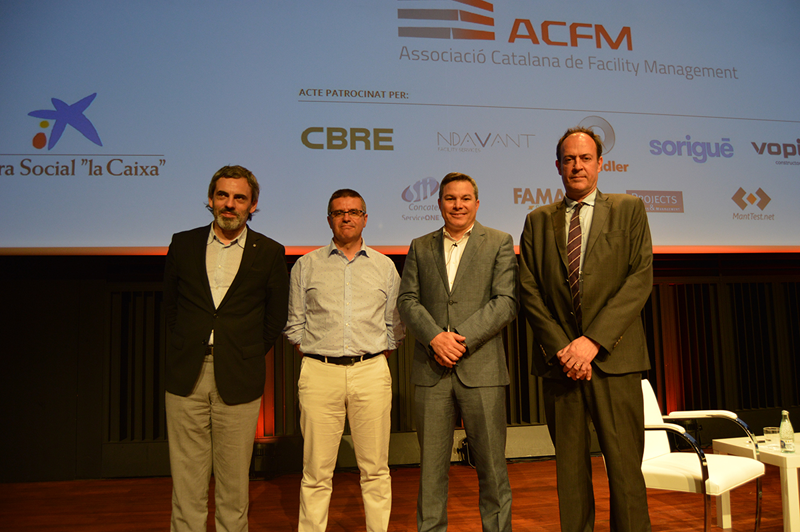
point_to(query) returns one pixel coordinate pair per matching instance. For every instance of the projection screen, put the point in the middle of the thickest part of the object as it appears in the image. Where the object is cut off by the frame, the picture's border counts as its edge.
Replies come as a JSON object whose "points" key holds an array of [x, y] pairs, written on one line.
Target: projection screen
{"points": [[116, 115]]}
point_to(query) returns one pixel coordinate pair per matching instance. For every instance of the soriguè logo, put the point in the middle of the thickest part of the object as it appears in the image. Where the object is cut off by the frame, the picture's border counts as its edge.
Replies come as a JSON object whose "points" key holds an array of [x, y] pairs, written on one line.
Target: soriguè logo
{"points": [[480, 18], [698, 151], [65, 115]]}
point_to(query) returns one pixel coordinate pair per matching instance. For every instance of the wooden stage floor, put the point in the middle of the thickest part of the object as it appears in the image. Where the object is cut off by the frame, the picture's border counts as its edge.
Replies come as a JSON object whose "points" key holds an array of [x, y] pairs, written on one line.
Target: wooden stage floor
{"points": [[143, 504]]}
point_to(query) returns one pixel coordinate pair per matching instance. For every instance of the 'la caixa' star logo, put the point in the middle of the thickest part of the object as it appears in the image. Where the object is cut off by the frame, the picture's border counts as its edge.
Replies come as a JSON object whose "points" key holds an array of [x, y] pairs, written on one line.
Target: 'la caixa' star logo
{"points": [[65, 115]]}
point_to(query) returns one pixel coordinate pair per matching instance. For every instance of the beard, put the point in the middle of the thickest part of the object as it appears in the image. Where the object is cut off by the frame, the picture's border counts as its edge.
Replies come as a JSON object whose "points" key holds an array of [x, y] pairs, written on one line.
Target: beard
{"points": [[229, 224]]}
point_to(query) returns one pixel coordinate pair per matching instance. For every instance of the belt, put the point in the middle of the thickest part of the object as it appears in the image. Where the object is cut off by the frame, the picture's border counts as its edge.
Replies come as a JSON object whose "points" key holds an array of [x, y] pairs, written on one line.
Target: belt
{"points": [[341, 361]]}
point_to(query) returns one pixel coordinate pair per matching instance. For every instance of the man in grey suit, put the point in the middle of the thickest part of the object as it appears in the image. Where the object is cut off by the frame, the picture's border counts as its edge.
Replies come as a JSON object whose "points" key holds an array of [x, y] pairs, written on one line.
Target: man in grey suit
{"points": [[457, 293], [583, 290]]}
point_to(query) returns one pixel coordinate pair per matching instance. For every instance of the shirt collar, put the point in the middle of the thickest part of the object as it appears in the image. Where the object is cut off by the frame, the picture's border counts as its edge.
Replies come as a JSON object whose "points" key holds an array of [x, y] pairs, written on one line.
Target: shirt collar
{"points": [[239, 241], [467, 233], [588, 200], [333, 249]]}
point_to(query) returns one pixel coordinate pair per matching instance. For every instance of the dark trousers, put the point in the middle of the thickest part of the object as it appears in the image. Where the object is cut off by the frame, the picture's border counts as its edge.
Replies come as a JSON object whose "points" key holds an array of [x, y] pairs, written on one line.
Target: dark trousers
{"points": [[614, 405]]}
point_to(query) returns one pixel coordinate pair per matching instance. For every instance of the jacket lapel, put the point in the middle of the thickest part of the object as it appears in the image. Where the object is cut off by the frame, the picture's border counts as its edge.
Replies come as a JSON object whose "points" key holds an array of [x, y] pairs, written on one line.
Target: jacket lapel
{"points": [[476, 240], [559, 221], [437, 249], [601, 209], [200, 260]]}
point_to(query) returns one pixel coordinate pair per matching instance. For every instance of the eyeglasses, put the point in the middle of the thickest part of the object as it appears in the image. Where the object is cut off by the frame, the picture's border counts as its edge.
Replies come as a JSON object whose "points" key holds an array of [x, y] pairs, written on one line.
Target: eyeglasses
{"points": [[354, 213]]}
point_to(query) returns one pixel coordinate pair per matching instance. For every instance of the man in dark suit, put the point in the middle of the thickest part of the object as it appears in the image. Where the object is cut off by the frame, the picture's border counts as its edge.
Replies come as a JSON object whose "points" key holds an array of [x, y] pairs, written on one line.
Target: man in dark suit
{"points": [[589, 343], [457, 293], [225, 298]]}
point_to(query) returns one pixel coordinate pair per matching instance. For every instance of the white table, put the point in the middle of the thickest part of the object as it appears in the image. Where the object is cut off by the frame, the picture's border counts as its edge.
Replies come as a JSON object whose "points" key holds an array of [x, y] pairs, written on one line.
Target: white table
{"points": [[788, 464]]}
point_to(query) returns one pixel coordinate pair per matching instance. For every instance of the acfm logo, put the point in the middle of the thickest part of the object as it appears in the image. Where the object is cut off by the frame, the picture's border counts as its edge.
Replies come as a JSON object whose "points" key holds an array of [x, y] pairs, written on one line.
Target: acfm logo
{"points": [[560, 36], [449, 24], [699, 151], [63, 115], [339, 138], [480, 20], [421, 190]]}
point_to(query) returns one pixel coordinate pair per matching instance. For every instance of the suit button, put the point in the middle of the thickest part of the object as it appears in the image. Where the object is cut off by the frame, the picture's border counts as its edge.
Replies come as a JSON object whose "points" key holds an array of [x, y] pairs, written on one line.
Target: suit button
{"points": [[216, 315], [451, 302]]}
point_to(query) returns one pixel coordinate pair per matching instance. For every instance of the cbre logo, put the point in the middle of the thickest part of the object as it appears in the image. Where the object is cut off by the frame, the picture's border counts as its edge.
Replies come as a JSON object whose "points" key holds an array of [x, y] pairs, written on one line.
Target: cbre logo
{"points": [[432, 21], [339, 138]]}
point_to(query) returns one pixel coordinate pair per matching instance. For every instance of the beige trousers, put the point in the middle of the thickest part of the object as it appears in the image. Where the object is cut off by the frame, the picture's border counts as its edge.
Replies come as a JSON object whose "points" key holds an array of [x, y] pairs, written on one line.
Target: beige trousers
{"points": [[206, 434], [328, 393]]}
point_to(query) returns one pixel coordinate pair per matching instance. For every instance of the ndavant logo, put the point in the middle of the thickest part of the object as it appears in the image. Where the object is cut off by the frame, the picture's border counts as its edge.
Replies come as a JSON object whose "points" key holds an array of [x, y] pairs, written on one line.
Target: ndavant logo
{"points": [[63, 115], [445, 23]]}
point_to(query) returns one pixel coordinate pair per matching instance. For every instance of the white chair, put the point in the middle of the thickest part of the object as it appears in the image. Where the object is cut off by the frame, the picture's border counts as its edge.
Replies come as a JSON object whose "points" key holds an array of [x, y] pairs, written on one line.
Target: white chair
{"points": [[712, 475]]}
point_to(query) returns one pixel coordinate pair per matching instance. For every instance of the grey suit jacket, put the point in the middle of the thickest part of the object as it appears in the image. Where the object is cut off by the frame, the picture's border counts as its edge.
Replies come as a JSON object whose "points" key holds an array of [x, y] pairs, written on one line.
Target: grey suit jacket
{"points": [[617, 280], [482, 302]]}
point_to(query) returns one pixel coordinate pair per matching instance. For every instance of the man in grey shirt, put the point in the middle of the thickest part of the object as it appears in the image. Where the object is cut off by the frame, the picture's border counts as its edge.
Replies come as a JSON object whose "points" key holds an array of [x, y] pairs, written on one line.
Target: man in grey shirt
{"points": [[343, 319]]}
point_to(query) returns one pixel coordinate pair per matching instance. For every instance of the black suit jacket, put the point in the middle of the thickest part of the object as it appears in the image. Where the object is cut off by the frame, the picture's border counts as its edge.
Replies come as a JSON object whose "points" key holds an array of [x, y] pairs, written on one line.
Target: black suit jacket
{"points": [[246, 323]]}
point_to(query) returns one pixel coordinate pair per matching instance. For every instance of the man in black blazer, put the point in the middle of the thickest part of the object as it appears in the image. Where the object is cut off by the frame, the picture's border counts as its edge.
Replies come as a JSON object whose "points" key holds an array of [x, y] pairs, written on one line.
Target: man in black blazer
{"points": [[225, 298], [589, 343]]}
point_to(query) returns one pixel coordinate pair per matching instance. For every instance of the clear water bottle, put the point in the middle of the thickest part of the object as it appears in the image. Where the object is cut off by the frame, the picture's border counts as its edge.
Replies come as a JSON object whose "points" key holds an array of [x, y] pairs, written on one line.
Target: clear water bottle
{"points": [[787, 433]]}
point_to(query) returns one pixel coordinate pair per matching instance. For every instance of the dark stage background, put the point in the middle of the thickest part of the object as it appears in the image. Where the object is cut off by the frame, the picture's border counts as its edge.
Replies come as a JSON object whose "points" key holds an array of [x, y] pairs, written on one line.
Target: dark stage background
{"points": [[83, 359]]}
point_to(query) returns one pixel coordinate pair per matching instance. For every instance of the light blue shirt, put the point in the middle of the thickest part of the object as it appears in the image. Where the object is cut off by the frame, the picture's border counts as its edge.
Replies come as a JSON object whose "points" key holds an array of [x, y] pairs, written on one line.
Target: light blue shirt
{"points": [[340, 307], [222, 264]]}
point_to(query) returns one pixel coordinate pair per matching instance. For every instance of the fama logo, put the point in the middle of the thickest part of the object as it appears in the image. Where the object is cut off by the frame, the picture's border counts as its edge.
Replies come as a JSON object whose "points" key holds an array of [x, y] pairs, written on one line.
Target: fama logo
{"points": [[481, 19], [742, 199], [64, 114], [540, 197], [773, 148], [339, 138], [421, 190], [698, 151]]}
